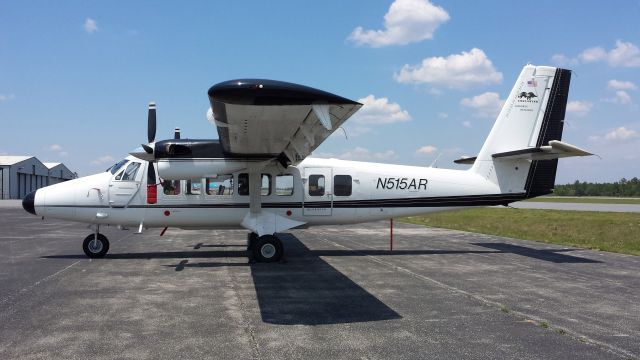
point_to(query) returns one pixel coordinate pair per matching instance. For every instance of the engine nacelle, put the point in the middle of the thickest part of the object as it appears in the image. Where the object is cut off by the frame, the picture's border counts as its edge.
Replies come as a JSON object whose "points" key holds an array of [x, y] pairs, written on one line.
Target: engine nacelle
{"points": [[178, 169]]}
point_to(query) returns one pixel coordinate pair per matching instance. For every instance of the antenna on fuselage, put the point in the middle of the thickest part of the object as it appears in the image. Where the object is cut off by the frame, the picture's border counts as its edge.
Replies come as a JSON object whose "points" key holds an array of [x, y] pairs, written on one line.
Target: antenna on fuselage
{"points": [[435, 162]]}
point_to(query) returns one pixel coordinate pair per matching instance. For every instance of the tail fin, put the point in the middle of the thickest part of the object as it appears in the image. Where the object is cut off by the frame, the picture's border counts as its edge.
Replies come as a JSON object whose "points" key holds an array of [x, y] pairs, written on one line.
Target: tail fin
{"points": [[532, 116]]}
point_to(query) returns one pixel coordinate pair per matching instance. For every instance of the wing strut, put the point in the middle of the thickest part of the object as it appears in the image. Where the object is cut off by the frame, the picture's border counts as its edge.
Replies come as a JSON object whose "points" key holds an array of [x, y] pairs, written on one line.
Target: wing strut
{"points": [[255, 189], [259, 220]]}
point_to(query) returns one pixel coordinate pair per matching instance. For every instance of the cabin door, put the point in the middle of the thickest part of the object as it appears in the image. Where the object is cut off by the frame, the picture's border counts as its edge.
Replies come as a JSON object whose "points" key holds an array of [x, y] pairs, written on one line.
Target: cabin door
{"points": [[125, 184], [318, 198]]}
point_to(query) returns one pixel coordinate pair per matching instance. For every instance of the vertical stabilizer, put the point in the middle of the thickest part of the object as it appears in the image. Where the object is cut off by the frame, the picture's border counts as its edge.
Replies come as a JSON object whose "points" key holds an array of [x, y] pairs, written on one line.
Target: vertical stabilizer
{"points": [[532, 115]]}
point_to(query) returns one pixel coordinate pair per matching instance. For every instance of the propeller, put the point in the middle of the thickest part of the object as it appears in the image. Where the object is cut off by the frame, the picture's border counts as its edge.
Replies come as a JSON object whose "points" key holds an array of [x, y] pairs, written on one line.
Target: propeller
{"points": [[152, 187], [151, 123], [146, 153]]}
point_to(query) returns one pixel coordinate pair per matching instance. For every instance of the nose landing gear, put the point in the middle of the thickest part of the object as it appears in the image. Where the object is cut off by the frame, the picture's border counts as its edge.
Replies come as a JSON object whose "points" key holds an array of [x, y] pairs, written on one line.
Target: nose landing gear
{"points": [[95, 245]]}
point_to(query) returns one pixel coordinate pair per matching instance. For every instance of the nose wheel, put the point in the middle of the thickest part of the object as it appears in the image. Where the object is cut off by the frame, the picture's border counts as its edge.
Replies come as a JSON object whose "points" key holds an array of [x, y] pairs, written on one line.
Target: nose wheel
{"points": [[266, 248], [95, 246]]}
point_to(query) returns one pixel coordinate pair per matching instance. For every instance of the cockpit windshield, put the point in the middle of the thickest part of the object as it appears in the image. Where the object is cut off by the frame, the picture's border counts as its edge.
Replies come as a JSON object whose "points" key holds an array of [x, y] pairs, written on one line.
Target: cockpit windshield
{"points": [[117, 166]]}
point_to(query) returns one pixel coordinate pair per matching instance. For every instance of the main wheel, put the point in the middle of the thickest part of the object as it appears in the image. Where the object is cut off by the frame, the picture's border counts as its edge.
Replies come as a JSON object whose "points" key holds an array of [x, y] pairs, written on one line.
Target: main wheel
{"points": [[268, 249], [252, 239], [95, 248]]}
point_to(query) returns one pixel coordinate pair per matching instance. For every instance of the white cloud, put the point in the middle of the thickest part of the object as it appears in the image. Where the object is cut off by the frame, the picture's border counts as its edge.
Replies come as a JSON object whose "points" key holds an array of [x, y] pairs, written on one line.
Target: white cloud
{"points": [[621, 97], [563, 60], [621, 133], [485, 105], [579, 108], [593, 54], [57, 149], [4, 97], [380, 111], [428, 149], [360, 153], [107, 159], [406, 21], [90, 26], [443, 115], [459, 71], [466, 124], [624, 54], [621, 85]]}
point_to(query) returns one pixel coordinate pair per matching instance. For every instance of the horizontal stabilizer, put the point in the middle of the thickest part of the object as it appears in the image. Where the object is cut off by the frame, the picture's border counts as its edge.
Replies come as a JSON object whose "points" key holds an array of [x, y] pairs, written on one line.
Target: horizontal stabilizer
{"points": [[466, 160], [556, 149]]}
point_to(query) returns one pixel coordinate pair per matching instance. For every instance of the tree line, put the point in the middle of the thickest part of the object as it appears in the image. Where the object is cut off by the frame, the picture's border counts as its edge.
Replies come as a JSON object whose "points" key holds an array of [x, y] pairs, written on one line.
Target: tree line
{"points": [[622, 188]]}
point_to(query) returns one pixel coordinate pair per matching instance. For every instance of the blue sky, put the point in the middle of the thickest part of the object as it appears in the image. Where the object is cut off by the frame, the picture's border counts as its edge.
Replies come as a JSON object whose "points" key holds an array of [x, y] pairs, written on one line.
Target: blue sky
{"points": [[76, 76]]}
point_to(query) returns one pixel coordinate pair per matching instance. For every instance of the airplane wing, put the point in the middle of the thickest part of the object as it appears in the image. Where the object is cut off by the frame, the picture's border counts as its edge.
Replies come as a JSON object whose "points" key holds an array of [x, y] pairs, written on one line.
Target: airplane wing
{"points": [[275, 119]]}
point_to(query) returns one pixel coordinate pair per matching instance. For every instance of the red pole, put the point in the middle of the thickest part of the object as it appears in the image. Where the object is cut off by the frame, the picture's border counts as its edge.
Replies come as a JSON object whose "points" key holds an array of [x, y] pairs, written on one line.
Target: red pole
{"points": [[391, 235]]}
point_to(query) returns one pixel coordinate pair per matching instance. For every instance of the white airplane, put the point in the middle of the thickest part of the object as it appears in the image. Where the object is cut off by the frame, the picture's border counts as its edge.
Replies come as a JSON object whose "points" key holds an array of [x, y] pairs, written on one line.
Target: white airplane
{"points": [[259, 176]]}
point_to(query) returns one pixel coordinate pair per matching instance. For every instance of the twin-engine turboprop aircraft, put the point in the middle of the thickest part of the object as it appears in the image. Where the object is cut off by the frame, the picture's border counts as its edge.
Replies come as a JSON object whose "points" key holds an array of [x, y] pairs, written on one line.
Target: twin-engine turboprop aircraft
{"points": [[259, 176]]}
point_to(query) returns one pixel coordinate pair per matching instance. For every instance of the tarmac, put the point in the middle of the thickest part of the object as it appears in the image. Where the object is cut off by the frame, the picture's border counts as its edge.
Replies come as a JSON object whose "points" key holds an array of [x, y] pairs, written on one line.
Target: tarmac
{"points": [[339, 294]]}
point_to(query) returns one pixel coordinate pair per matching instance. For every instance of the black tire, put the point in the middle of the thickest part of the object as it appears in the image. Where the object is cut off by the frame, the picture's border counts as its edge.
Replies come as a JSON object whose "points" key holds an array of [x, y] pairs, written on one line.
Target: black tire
{"points": [[252, 239], [98, 249], [268, 249]]}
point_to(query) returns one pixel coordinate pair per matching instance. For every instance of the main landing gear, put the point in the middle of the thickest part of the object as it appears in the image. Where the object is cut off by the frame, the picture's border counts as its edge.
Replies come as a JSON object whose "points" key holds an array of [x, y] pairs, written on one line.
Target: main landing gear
{"points": [[95, 245], [265, 248]]}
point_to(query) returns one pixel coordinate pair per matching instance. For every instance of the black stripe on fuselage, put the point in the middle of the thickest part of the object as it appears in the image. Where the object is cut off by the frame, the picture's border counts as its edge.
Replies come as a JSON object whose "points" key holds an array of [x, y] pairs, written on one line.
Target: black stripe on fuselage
{"points": [[439, 201]]}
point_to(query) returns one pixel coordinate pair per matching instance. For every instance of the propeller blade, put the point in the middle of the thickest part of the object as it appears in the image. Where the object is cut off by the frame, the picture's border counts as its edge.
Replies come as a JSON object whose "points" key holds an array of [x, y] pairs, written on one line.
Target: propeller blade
{"points": [[152, 187], [151, 124], [148, 149], [151, 174]]}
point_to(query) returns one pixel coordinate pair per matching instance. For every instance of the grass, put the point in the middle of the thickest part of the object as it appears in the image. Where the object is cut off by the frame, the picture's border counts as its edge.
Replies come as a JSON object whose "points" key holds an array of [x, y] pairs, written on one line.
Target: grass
{"points": [[586, 200], [608, 231]]}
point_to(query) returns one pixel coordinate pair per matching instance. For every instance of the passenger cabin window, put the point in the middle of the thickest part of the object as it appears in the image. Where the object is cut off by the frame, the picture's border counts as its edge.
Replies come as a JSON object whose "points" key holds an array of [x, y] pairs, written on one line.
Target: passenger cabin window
{"points": [[316, 185], [243, 184], [171, 187], [220, 185], [342, 185], [284, 185], [194, 187], [129, 174]]}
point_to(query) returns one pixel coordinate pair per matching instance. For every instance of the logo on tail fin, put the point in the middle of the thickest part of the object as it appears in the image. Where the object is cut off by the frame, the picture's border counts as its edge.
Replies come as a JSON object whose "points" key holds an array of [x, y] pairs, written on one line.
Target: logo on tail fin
{"points": [[527, 95]]}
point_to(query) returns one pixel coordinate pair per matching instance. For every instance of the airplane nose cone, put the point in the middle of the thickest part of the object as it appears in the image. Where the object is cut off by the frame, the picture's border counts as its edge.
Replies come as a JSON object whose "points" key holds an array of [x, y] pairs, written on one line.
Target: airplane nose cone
{"points": [[27, 202]]}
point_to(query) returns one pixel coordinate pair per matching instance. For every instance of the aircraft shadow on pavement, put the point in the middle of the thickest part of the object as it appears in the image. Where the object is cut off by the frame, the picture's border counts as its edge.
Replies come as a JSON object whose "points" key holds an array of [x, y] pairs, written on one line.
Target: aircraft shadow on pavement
{"points": [[309, 291], [551, 255]]}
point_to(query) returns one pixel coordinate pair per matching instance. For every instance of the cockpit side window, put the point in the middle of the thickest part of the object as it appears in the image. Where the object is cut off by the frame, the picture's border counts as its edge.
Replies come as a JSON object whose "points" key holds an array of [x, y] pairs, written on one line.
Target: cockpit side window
{"points": [[114, 169], [131, 171]]}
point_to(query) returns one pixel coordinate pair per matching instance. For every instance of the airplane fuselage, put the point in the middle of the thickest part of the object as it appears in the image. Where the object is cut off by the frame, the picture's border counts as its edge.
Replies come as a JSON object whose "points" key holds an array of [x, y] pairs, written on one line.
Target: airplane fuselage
{"points": [[316, 192]]}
